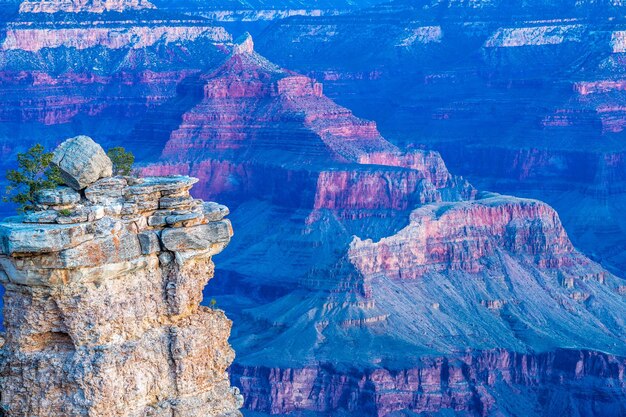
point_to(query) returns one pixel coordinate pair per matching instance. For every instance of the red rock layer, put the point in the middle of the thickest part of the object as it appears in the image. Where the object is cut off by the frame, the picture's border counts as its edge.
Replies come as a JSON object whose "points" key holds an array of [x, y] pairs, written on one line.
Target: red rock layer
{"points": [[54, 100], [558, 383], [258, 123], [460, 236], [251, 103]]}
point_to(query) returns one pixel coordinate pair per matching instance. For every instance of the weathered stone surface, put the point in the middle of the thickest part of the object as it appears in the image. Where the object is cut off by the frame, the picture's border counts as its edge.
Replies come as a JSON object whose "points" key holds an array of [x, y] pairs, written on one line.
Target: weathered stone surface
{"points": [[149, 242], [57, 197], [214, 211], [106, 191], [175, 202], [181, 218], [157, 220], [200, 237], [22, 238], [170, 184], [79, 215], [82, 162], [103, 320], [45, 216]]}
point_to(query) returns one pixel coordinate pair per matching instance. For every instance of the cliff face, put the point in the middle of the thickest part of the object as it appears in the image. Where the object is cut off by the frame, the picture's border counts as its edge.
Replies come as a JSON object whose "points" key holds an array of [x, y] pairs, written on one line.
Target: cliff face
{"points": [[450, 237], [102, 298], [91, 6], [103, 71], [268, 130], [34, 39], [475, 384]]}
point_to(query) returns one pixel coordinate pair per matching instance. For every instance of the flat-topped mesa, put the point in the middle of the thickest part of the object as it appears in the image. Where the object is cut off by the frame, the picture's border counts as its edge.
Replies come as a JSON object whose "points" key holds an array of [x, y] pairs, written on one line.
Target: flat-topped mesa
{"points": [[102, 313], [23, 37], [463, 236], [76, 6]]}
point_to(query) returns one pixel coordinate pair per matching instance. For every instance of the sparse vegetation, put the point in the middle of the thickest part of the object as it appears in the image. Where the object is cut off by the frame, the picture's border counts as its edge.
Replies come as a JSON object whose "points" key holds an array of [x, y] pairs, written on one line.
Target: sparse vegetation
{"points": [[34, 172], [122, 160], [65, 212]]}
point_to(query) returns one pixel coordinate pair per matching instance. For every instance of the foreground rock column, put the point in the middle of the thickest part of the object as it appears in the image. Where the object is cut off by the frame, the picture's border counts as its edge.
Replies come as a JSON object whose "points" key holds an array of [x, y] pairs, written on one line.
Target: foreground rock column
{"points": [[102, 314]]}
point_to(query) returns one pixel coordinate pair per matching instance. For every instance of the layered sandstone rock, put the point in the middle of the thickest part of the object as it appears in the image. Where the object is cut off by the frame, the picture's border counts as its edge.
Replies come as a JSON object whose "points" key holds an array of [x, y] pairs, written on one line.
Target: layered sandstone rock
{"points": [[111, 68], [34, 38], [272, 131], [459, 236], [102, 299], [474, 384], [502, 93], [92, 6]]}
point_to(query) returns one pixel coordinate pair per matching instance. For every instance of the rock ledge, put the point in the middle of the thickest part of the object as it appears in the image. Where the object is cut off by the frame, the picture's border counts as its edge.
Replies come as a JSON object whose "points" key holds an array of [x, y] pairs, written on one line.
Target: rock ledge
{"points": [[102, 299]]}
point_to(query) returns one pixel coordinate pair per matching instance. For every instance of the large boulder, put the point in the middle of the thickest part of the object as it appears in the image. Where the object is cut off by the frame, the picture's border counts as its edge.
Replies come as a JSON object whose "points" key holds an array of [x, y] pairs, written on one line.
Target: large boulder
{"points": [[82, 162]]}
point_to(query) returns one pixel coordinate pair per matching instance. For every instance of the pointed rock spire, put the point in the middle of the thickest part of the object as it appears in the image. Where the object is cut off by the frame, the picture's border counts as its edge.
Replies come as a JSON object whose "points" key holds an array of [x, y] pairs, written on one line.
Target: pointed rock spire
{"points": [[243, 45]]}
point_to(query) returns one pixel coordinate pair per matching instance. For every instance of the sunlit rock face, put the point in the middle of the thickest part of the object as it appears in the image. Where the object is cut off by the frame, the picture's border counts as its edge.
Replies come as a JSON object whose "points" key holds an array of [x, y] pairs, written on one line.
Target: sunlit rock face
{"points": [[451, 237], [102, 299]]}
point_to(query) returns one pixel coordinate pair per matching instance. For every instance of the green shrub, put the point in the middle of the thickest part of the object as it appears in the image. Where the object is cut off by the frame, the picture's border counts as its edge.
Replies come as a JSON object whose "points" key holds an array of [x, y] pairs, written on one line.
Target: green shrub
{"points": [[122, 160], [34, 172], [65, 212]]}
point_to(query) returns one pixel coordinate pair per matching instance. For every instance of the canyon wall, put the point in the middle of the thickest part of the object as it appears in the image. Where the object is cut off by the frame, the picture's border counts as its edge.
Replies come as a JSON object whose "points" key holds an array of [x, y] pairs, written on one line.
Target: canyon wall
{"points": [[522, 98], [386, 259], [75, 6], [473, 384], [373, 279]]}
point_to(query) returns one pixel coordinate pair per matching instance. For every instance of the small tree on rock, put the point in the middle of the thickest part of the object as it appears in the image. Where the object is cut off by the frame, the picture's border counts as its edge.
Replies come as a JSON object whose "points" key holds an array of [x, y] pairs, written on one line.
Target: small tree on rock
{"points": [[122, 160], [34, 172]]}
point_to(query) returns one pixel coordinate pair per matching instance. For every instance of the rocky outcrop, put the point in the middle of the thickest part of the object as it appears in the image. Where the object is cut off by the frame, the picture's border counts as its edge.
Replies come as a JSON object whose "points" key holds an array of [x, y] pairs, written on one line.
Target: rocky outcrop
{"points": [[102, 298], [460, 236], [110, 68], [386, 258], [522, 98], [351, 298], [272, 131], [247, 96]]}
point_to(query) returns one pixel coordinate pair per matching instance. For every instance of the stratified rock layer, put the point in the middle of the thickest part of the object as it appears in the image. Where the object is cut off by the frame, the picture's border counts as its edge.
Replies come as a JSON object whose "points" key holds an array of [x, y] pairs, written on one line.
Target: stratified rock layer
{"points": [[382, 260], [102, 299], [92, 6]]}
